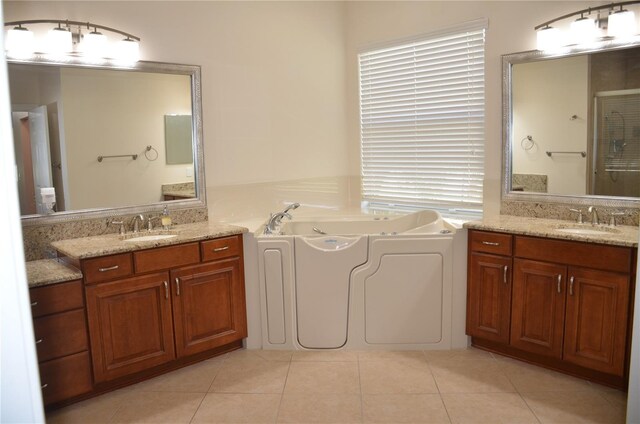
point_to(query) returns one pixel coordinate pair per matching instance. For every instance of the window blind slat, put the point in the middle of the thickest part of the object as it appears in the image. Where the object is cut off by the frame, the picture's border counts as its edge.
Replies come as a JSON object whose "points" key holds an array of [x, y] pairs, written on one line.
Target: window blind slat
{"points": [[422, 121]]}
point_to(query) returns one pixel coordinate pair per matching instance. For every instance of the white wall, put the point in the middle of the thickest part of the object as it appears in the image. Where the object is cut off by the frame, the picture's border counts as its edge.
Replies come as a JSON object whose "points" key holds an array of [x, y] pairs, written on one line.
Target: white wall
{"points": [[510, 30], [546, 95], [273, 77], [131, 108]]}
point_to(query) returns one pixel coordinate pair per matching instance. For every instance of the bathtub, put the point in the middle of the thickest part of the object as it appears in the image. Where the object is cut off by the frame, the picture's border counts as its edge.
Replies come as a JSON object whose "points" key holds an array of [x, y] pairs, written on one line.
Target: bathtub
{"points": [[357, 282]]}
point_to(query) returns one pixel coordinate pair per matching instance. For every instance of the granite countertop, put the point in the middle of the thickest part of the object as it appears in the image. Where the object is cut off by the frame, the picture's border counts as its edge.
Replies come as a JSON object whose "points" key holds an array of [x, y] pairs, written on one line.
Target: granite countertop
{"points": [[89, 247], [622, 235], [180, 193], [50, 271]]}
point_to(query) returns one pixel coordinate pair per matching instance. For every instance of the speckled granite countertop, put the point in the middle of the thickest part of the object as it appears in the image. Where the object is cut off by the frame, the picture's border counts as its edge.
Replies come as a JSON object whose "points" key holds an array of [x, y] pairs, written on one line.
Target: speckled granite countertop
{"points": [[622, 235], [180, 193], [50, 271], [89, 247]]}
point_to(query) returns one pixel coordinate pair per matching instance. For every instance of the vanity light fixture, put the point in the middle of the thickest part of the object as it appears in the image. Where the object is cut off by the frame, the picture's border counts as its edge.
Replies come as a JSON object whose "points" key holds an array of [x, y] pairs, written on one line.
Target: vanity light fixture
{"points": [[585, 29], [67, 38]]}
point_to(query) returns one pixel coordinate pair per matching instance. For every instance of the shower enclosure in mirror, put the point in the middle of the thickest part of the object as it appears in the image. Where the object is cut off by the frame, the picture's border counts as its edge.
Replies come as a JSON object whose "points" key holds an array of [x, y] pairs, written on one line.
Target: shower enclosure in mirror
{"points": [[572, 125], [96, 136]]}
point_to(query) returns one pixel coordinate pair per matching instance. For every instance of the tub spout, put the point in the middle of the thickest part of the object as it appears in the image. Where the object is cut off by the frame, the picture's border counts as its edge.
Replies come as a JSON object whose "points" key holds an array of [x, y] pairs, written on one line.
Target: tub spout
{"points": [[274, 222]]}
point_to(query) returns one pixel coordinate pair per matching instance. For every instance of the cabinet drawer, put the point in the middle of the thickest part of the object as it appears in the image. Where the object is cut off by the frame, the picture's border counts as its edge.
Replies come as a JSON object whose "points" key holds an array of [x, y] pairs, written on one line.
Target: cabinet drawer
{"points": [[56, 298], [598, 256], [221, 248], [60, 334], [65, 377], [166, 257], [107, 268], [488, 242]]}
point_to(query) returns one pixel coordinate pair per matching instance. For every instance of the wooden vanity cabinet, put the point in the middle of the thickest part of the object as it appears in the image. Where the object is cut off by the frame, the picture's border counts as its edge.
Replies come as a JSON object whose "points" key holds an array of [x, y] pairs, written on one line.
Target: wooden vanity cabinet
{"points": [[173, 305], [62, 343], [569, 304]]}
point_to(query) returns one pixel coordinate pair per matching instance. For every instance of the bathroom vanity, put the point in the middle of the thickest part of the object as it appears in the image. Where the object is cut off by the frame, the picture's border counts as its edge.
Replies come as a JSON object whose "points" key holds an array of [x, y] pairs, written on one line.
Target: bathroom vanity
{"points": [[559, 299], [139, 309]]}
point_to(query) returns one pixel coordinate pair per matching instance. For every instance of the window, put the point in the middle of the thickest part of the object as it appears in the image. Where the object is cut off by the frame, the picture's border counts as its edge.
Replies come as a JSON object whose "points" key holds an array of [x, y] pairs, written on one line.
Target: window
{"points": [[422, 121]]}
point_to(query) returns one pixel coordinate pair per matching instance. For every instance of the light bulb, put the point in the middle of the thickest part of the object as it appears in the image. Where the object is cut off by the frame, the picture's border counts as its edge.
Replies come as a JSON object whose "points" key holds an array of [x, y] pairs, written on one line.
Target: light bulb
{"points": [[59, 41], [583, 30], [549, 38], [94, 45], [127, 51], [622, 24], [19, 43]]}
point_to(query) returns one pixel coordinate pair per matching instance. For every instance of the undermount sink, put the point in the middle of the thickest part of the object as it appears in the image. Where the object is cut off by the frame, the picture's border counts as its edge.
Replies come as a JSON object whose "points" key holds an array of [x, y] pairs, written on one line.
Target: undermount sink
{"points": [[590, 231], [151, 237]]}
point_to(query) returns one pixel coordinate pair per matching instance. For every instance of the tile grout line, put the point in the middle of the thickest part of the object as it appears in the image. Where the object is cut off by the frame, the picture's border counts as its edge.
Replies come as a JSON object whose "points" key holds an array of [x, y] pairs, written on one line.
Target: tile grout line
{"points": [[198, 408], [360, 386], [283, 388], [529, 407]]}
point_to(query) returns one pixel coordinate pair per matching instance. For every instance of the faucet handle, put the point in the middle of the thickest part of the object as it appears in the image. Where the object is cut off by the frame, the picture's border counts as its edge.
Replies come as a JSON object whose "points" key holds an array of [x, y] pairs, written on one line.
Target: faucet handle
{"points": [[121, 230], [612, 218], [580, 217]]}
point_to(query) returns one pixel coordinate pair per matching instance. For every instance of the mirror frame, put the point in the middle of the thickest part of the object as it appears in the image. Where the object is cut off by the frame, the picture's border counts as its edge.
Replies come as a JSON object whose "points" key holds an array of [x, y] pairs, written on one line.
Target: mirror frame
{"points": [[508, 61], [199, 201]]}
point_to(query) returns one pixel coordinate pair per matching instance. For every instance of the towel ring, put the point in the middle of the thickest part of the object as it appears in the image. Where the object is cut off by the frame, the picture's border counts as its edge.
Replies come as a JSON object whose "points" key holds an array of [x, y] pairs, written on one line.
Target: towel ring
{"points": [[146, 153], [527, 143]]}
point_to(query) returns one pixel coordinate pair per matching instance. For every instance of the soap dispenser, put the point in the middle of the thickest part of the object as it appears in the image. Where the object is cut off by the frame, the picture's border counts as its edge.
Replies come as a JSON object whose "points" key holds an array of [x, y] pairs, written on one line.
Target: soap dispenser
{"points": [[166, 219]]}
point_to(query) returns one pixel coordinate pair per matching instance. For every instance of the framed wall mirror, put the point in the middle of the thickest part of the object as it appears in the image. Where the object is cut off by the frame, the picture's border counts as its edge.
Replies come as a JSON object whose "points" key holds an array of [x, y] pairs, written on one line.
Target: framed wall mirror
{"points": [[94, 136], [571, 125]]}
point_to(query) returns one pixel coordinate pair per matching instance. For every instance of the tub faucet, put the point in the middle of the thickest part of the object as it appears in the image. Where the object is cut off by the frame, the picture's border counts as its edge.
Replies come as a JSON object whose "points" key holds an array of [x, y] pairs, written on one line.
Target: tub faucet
{"points": [[594, 215], [274, 222], [291, 207]]}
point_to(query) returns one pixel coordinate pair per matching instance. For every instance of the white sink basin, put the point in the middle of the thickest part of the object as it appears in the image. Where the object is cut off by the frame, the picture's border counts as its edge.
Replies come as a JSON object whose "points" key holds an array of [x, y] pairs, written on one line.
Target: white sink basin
{"points": [[587, 231], [153, 237]]}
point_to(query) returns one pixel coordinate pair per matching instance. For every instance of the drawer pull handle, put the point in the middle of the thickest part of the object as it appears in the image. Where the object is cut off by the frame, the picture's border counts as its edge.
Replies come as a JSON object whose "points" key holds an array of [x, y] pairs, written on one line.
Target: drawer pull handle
{"points": [[220, 249], [39, 341], [504, 274], [491, 243], [33, 304], [44, 386], [571, 285], [559, 282], [111, 268], [166, 290], [178, 286]]}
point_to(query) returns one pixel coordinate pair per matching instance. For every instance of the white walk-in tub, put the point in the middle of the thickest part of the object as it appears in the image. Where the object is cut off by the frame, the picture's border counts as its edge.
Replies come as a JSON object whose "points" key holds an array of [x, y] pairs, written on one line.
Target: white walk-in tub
{"points": [[365, 282]]}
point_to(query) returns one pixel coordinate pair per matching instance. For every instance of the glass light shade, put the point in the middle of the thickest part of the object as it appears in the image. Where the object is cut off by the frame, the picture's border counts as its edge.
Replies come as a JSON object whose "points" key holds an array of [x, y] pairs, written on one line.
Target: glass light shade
{"points": [[94, 45], [19, 43], [622, 24], [58, 41], [127, 51], [583, 30], [549, 38]]}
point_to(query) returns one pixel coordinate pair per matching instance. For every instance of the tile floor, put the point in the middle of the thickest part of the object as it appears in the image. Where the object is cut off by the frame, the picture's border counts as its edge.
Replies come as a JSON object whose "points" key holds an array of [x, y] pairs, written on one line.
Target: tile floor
{"points": [[463, 386]]}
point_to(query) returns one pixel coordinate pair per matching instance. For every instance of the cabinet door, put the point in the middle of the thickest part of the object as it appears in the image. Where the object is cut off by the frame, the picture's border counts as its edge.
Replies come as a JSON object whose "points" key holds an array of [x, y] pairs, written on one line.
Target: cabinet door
{"points": [[596, 320], [489, 297], [209, 305], [537, 314], [130, 323]]}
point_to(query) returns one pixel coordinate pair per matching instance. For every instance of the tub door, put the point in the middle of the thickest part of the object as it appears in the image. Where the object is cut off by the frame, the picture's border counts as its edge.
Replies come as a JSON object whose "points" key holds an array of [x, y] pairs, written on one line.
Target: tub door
{"points": [[323, 270]]}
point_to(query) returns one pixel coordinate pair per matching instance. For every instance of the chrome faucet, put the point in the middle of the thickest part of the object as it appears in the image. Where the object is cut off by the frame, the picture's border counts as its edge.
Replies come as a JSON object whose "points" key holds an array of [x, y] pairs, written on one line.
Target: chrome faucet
{"points": [[276, 218], [137, 220], [594, 215]]}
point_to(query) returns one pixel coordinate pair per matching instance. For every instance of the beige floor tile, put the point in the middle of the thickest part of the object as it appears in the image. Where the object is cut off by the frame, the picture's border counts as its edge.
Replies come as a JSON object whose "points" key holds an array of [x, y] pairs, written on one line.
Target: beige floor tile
{"points": [[238, 408], [391, 355], [457, 354], [158, 408], [462, 364], [260, 355], [391, 377], [96, 410], [613, 396], [472, 381], [488, 408], [530, 378], [251, 376], [411, 408], [323, 377], [574, 407], [320, 408], [325, 356], [196, 378]]}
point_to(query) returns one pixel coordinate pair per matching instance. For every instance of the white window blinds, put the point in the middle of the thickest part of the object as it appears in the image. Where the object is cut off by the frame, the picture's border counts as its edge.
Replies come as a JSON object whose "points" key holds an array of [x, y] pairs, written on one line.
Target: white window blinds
{"points": [[422, 121]]}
